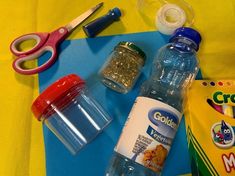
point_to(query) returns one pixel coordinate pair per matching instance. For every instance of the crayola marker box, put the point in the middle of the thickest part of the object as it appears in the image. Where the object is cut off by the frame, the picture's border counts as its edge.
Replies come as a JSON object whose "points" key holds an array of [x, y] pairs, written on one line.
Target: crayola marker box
{"points": [[210, 124]]}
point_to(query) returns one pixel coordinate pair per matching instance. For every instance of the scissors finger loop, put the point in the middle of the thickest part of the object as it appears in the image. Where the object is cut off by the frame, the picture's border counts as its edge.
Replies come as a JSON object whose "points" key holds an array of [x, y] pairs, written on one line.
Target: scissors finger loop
{"points": [[39, 38], [17, 64]]}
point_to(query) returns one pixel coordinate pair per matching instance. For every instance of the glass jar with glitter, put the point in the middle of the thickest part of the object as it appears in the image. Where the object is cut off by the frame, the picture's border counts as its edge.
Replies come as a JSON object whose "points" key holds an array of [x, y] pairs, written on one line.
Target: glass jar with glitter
{"points": [[123, 67]]}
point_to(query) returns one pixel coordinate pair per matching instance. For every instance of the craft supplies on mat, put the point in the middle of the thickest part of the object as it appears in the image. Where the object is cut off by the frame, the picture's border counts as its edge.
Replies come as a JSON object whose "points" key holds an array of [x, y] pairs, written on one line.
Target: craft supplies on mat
{"points": [[88, 55], [210, 127]]}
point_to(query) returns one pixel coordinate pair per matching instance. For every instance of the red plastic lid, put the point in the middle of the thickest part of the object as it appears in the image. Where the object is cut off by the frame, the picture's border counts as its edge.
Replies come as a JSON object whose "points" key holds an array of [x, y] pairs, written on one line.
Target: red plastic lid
{"points": [[55, 92]]}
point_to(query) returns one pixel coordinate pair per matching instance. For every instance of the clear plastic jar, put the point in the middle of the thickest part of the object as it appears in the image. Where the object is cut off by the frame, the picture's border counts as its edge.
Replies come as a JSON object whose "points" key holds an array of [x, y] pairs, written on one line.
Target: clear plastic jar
{"points": [[123, 67], [70, 112]]}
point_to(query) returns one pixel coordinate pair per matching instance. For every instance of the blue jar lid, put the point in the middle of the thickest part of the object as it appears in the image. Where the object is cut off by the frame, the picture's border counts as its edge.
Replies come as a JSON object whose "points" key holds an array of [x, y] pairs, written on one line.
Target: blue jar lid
{"points": [[189, 33]]}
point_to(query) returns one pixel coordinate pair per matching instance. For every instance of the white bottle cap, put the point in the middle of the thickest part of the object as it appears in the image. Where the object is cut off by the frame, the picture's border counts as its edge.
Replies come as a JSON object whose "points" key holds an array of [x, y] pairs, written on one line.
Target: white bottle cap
{"points": [[169, 18]]}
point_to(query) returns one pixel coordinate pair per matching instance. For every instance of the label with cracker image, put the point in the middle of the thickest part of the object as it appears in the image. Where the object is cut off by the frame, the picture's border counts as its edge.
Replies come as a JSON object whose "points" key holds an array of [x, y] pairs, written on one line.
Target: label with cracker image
{"points": [[149, 132]]}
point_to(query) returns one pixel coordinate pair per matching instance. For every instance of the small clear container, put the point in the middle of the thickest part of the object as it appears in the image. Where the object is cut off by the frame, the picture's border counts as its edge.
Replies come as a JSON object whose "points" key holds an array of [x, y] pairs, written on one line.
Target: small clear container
{"points": [[70, 112], [123, 67]]}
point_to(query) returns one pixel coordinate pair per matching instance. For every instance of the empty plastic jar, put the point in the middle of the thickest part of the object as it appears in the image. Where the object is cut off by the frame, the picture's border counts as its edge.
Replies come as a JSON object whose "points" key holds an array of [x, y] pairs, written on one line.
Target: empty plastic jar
{"points": [[70, 113]]}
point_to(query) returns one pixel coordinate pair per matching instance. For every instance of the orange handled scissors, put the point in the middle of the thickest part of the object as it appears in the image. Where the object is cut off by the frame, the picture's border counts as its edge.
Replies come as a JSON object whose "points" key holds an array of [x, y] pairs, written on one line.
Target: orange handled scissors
{"points": [[45, 42]]}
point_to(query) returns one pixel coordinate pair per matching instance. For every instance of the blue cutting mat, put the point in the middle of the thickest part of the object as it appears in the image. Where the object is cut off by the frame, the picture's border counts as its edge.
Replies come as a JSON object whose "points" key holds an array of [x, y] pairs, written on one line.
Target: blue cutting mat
{"points": [[85, 57]]}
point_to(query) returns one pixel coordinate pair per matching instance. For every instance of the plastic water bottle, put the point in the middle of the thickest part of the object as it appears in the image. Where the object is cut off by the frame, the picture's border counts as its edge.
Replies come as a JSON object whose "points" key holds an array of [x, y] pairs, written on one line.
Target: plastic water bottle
{"points": [[153, 121]]}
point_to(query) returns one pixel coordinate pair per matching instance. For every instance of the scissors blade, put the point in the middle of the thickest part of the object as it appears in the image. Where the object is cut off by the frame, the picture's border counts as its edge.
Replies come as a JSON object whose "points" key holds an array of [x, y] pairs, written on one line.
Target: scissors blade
{"points": [[82, 17]]}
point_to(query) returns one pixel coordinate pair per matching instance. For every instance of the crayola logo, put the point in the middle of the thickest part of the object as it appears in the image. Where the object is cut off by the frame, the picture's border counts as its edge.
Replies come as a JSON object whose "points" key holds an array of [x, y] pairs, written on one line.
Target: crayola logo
{"points": [[220, 98], [163, 118]]}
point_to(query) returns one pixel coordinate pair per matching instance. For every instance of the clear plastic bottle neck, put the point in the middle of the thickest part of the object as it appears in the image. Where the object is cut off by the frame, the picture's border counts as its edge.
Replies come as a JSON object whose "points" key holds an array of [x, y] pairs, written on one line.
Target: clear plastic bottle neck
{"points": [[184, 44]]}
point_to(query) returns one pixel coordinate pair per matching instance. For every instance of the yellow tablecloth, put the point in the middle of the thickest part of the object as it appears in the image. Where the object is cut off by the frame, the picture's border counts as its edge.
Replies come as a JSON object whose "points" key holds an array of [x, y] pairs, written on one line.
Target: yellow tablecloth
{"points": [[21, 138]]}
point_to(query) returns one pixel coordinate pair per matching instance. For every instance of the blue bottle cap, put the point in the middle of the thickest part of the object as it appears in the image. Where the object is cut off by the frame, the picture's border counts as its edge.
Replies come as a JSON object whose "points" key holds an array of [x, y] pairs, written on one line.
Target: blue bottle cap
{"points": [[189, 33]]}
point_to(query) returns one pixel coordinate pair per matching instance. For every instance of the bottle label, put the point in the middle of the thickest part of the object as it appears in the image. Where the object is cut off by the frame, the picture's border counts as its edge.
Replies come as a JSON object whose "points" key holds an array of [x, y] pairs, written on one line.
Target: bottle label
{"points": [[148, 133]]}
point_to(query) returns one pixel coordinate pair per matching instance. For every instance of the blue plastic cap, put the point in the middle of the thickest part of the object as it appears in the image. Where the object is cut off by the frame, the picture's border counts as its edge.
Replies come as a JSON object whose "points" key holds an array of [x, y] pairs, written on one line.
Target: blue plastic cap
{"points": [[189, 33], [116, 13]]}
